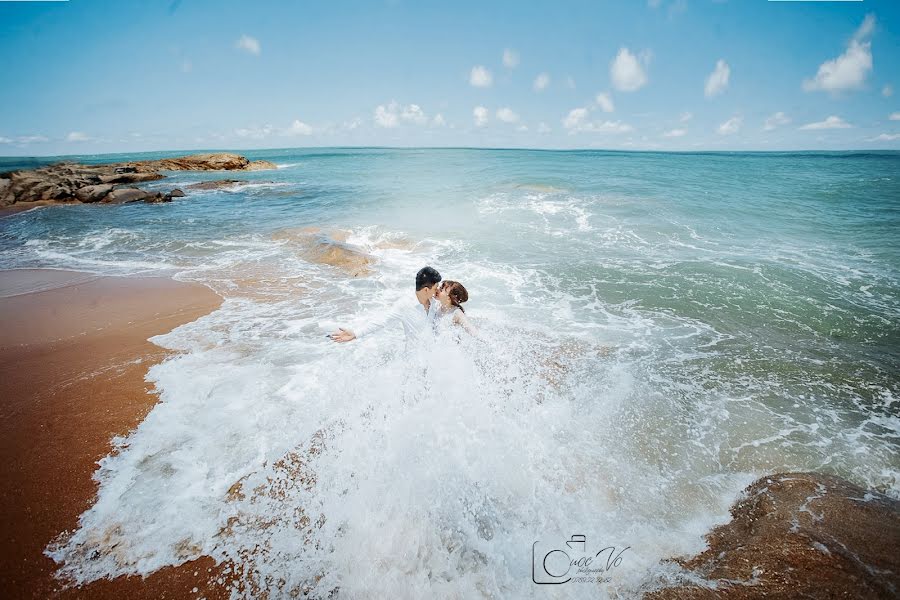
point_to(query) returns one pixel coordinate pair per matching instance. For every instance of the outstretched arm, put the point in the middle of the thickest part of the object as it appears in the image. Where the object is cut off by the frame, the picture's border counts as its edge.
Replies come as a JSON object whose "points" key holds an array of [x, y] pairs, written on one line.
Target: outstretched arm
{"points": [[346, 335], [342, 335]]}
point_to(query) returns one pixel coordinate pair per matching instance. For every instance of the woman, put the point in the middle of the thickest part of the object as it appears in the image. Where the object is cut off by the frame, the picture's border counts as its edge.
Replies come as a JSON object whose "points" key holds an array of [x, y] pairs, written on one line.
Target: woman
{"points": [[451, 295]]}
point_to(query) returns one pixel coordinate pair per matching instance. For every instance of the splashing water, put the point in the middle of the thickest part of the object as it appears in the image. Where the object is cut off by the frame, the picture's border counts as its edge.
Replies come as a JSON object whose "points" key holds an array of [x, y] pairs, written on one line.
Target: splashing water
{"points": [[656, 332]]}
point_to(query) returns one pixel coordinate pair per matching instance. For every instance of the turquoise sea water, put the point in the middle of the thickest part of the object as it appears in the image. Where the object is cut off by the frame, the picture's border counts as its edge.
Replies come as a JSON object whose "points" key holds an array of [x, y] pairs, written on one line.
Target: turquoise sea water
{"points": [[660, 329]]}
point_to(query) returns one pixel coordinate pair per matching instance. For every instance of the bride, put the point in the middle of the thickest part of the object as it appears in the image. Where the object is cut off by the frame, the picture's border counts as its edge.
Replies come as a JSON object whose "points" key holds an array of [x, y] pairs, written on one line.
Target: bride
{"points": [[451, 295]]}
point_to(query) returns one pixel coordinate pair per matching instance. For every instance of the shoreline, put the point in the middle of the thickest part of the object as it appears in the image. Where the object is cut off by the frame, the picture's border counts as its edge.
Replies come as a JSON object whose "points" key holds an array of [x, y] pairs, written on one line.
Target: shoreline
{"points": [[73, 357]]}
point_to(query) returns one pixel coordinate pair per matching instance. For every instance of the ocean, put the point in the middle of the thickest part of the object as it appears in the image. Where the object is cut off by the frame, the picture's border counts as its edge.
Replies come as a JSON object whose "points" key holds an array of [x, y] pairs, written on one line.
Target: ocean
{"points": [[657, 330]]}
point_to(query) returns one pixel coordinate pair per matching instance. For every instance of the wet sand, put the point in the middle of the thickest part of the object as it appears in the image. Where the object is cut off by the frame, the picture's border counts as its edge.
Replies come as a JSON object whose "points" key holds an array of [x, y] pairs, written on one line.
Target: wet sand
{"points": [[73, 356]]}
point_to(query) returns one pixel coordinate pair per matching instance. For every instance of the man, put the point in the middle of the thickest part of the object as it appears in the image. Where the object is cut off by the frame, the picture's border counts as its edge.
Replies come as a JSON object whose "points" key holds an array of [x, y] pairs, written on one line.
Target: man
{"points": [[414, 317]]}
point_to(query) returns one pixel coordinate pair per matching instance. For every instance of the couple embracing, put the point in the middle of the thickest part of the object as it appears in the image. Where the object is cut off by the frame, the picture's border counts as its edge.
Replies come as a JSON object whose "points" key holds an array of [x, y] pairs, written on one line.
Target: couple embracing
{"points": [[436, 299]]}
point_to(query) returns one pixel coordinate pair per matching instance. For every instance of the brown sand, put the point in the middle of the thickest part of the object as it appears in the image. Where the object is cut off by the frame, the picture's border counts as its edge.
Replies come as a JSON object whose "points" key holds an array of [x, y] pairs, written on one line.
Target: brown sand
{"points": [[73, 356]]}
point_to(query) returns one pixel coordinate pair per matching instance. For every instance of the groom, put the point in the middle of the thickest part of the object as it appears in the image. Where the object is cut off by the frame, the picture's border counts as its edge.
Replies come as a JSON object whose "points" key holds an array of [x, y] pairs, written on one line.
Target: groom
{"points": [[413, 317]]}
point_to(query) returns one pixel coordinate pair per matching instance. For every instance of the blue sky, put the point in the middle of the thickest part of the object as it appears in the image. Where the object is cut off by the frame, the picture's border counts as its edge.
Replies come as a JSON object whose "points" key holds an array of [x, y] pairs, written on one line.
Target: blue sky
{"points": [[91, 76]]}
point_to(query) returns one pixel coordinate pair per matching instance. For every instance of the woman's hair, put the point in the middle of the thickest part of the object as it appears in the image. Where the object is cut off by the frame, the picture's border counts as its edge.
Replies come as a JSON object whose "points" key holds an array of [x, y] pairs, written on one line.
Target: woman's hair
{"points": [[457, 293]]}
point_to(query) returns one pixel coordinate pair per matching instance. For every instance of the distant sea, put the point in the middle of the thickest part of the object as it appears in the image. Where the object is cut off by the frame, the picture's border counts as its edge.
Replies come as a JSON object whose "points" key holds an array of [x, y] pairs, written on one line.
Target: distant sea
{"points": [[659, 329]]}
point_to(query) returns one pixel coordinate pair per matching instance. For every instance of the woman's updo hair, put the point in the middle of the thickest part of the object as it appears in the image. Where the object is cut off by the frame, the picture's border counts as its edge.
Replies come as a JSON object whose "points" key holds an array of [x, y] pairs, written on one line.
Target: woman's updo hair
{"points": [[457, 293]]}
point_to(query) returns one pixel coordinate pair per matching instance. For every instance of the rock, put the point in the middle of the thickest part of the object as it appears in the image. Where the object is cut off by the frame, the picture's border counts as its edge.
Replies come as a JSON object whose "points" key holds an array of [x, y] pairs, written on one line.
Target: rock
{"points": [[125, 195], [799, 535], [176, 193], [260, 165], [130, 177], [93, 193], [218, 184], [63, 182], [158, 198], [223, 161], [317, 247]]}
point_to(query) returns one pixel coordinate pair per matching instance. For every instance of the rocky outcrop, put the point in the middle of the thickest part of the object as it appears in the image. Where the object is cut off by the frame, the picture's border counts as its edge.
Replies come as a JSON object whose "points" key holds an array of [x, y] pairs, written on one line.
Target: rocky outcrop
{"points": [[72, 182], [223, 161], [798, 535]]}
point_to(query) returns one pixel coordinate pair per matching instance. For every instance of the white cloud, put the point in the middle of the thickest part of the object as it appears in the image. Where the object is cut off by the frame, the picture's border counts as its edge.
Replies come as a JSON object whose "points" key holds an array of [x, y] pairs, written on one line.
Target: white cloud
{"points": [[392, 114], [717, 81], [510, 58], [481, 116], [848, 71], [298, 127], [627, 70], [775, 121], [575, 118], [675, 133], [386, 116], [522, 128], [543, 128], [77, 136], [577, 121], [480, 77], [351, 124], [413, 113], [895, 116], [248, 44], [604, 101], [507, 115], [438, 120], [541, 82], [570, 82], [256, 133], [5, 140], [885, 137], [732, 125], [831, 122], [887, 91], [685, 117]]}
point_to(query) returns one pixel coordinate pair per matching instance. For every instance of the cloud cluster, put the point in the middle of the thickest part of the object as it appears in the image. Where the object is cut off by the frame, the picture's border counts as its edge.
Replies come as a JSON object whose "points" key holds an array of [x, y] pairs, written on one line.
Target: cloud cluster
{"points": [[510, 58], [626, 71], [717, 81], [578, 121], [848, 71], [731, 126], [775, 121], [480, 77], [541, 82], [832, 122], [248, 44], [507, 115], [393, 114], [480, 115], [605, 103]]}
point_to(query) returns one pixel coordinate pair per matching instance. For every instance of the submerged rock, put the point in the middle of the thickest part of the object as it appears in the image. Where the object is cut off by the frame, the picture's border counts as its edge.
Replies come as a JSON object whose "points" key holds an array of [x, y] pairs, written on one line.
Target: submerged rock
{"points": [[798, 535], [316, 246], [217, 184], [124, 195]]}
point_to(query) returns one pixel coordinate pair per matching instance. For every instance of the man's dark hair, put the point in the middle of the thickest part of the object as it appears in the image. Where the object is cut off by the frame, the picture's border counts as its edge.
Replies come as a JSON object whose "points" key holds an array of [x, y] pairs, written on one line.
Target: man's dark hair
{"points": [[427, 277]]}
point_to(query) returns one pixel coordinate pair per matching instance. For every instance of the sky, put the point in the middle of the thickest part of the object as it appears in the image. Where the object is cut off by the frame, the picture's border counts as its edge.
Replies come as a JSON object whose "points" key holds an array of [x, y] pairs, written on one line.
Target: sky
{"points": [[99, 76]]}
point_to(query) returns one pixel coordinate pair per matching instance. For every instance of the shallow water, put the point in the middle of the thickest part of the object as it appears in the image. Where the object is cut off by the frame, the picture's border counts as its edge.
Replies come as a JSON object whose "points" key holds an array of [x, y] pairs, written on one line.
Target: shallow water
{"points": [[659, 330]]}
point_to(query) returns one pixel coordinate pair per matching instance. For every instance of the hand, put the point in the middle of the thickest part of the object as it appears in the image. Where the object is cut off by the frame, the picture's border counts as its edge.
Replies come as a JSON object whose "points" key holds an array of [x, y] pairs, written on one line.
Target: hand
{"points": [[343, 335]]}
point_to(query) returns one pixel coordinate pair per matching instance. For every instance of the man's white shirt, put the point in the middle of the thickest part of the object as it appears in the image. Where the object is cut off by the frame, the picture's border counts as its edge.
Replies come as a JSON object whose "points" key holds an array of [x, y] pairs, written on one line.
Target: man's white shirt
{"points": [[410, 314]]}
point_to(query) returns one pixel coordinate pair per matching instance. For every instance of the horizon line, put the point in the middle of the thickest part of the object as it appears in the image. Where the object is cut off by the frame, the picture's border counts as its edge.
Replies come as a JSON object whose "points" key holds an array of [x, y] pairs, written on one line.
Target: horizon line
{"points": [[492, 148]]}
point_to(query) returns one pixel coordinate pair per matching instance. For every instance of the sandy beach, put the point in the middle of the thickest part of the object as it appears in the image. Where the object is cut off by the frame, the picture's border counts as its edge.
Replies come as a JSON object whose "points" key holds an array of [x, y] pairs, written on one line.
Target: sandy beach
{"points": [[73, 355]]}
